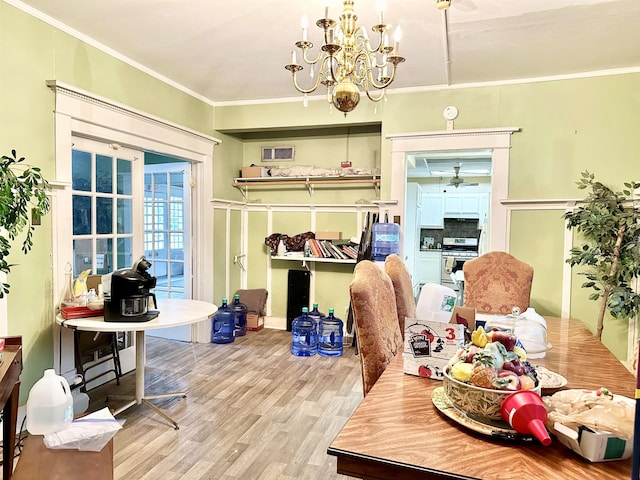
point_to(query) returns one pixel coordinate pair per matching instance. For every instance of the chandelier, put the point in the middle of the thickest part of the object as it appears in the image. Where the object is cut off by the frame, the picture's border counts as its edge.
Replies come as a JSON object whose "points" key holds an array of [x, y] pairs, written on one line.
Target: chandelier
{"points": [[347, 62]]}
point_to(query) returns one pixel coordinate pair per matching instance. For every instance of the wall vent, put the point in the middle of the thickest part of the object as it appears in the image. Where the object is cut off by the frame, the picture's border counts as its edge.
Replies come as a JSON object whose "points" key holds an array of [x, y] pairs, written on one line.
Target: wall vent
{"points": [[278, 154]]}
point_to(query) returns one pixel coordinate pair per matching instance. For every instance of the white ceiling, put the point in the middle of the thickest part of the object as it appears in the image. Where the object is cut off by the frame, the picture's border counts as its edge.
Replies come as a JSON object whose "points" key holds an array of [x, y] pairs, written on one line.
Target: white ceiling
{"points": [[235, 51]]}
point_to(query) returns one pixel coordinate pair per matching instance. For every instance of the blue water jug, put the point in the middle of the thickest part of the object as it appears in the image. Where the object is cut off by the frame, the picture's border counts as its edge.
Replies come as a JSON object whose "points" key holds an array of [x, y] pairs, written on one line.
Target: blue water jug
{"points": [[316, 315], [304, 339], [223, 328], [240, 316], [385, 240], [330, 336]]}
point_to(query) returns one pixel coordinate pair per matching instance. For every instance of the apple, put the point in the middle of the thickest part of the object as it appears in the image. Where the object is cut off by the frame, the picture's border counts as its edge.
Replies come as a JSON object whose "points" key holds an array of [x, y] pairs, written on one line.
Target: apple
{"points": [[473, 349], [508, 380], [424, 371], [505, 338]]}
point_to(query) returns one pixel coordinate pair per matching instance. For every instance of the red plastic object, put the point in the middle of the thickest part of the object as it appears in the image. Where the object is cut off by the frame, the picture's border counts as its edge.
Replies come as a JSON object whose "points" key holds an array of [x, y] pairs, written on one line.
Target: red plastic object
{"points": [[525, 412], [69, 313]]}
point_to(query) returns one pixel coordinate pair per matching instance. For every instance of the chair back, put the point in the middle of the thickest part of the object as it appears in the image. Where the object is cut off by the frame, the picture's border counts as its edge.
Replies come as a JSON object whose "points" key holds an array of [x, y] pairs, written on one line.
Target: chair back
{"points": [[373, 303], [403, 288], [496, 282]]}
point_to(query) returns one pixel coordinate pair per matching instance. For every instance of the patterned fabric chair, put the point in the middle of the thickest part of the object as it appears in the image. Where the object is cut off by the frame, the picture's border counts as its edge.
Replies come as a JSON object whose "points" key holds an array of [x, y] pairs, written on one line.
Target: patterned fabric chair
{"points": [[497, 281], [403, 287], [373, 303]]}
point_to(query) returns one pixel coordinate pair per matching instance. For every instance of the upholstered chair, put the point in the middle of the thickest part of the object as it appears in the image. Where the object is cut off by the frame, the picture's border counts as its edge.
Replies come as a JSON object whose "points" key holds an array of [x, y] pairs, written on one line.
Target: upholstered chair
{"points": [[375, 316], [496, 282], [403, 288]]}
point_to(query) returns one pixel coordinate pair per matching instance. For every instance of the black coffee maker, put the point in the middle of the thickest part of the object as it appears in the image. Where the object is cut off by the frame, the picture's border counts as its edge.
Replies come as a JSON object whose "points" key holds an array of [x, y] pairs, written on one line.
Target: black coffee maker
{"points": [[130, 297]]}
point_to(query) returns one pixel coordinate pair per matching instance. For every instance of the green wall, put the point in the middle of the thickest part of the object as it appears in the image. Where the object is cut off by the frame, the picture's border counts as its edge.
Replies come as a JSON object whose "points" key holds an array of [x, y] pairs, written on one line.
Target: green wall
{"points": [[567, 126], [32, 52]]}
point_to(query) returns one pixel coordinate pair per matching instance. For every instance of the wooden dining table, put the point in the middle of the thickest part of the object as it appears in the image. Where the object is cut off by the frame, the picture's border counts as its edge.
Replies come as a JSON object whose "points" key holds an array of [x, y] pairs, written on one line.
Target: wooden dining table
{"points": [[397, 432]]}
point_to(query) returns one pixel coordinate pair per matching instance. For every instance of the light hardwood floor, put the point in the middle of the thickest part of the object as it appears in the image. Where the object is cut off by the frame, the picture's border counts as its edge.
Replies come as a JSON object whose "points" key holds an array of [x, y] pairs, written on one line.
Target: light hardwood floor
{"points": [[253, 411]]}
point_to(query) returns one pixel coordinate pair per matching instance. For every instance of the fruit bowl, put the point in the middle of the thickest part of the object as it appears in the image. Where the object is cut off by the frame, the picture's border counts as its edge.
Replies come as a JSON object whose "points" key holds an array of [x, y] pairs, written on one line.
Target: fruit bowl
{"points": [[480, 403]]}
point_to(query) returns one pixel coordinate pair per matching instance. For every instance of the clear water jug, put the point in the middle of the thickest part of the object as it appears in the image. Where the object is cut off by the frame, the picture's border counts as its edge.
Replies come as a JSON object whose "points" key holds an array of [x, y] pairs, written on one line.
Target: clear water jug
{"points": [[385, 240], [304, 339], [316, 315], [330, 336], [224, 325], [49, 405], [240, 316]]}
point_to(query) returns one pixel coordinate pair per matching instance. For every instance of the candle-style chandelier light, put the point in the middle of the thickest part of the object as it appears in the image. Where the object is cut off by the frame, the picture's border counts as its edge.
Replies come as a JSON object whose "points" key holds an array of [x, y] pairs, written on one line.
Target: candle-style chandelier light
{"points": [[347, 61]]}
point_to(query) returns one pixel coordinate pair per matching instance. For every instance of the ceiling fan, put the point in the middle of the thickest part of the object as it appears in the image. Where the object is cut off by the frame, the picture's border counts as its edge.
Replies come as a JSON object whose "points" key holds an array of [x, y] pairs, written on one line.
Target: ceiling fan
{"points": [[457, 181]]}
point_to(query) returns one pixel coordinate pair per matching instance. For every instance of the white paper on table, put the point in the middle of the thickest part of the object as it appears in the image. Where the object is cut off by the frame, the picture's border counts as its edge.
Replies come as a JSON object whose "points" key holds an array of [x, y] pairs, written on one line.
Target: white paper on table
{"points": [[89, 433]]}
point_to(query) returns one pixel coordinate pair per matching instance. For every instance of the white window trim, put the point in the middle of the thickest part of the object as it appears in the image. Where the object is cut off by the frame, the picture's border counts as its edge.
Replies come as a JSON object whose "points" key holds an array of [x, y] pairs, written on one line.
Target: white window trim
{"points": [[84, 114]]}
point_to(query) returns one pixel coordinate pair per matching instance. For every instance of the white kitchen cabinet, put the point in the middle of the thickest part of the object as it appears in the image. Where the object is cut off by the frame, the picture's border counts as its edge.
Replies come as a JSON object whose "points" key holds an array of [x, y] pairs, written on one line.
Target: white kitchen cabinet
{"points": [[462, 204], [432, 210], [429, 266]]}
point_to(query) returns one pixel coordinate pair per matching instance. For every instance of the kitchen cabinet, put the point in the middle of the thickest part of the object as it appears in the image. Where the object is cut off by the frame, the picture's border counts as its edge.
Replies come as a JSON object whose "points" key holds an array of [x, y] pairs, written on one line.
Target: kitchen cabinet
{"points": [[432, 211], [467, 205], [462, 204], [429, 266]]}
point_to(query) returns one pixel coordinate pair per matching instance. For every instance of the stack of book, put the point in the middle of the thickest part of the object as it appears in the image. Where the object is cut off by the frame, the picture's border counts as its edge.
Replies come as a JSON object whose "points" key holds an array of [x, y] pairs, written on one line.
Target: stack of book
{"points": [[329, 249]]}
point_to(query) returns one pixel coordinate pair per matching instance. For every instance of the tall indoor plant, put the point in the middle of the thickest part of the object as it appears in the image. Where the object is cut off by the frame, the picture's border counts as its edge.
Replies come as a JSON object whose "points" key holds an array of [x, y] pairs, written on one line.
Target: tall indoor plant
{"points": [[23, 198], [610, 225]]}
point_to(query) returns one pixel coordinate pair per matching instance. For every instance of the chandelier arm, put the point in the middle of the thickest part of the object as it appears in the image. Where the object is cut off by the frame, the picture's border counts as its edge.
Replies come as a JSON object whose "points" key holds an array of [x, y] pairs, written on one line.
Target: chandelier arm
{"points": [[360, 34], [309, 62], [317, 82], [372, 97], [367, 77]]}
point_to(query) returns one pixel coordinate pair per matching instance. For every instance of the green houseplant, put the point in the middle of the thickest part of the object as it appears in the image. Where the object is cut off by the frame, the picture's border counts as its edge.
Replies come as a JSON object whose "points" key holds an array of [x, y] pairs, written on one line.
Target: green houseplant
{"points": [[610, 225], [23, 199]]}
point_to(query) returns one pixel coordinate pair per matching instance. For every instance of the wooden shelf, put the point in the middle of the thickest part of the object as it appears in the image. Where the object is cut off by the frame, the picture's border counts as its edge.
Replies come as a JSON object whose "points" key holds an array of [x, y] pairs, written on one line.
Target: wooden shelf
{"points": [[244, 183], [301, 258]]}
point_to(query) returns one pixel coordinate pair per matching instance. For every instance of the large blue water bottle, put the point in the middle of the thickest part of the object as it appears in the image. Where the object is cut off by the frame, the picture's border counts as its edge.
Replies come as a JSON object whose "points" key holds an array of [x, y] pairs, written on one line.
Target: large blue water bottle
{"points": [[385, 239], [304, 337], [316, 315], [330, 336], [240, 316], [223, 329]]}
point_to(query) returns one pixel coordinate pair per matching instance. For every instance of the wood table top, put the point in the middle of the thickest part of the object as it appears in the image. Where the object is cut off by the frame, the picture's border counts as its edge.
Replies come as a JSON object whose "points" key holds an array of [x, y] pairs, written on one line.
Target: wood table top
{"points": [[397, 432]]}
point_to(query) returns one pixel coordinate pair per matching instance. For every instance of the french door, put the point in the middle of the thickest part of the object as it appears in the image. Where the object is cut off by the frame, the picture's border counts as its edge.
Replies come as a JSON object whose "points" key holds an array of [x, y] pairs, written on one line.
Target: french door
{"points": [[167, 235], [107, 227]]}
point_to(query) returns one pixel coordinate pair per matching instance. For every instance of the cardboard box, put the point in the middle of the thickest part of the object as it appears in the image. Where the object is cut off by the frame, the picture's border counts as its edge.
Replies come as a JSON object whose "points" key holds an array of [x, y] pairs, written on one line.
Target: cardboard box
{"points": [[255, 322], [429, 345], [465, 316], [592, 445], [253, 172], [328, 235]]}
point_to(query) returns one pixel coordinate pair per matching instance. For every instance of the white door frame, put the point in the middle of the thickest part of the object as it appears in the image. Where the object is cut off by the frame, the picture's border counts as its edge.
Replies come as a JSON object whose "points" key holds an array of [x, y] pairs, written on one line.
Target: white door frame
{"points": [[81, 113]]}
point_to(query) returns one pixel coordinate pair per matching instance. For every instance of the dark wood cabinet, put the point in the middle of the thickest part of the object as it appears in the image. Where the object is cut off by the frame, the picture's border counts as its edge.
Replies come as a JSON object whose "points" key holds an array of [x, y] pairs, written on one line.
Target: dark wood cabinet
{"points": [[10, 370]]}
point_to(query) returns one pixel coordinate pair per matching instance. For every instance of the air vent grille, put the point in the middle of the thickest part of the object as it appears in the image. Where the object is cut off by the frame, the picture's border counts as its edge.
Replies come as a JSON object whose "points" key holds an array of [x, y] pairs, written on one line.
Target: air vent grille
{"points": [[277, 154]]}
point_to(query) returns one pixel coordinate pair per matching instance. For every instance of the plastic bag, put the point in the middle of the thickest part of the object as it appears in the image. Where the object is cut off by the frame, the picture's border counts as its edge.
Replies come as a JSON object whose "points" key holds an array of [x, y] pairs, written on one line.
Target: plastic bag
{"points": [[599, 410], [89, 433]]}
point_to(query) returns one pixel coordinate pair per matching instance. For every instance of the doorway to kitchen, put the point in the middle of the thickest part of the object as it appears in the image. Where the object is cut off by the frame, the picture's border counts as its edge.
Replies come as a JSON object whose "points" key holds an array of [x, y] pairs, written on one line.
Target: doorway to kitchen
{"points": [[454, 189]]}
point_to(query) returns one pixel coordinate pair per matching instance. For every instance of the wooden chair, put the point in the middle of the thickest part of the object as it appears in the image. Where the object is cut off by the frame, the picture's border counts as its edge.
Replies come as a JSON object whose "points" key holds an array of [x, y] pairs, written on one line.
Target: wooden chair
{"points": [[93, 349], [403, 288], [375, 315], [496, 282]]}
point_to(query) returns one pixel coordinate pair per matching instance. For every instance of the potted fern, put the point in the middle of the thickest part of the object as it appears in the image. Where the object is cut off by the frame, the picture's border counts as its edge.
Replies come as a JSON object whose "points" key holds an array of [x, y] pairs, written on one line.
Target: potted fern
{"points": [[610, 226], [23, 201]]}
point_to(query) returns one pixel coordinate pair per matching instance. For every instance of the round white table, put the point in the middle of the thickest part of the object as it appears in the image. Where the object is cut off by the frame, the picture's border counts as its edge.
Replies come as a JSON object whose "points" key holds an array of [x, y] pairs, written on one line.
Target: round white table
{"points": [[174, 312]]}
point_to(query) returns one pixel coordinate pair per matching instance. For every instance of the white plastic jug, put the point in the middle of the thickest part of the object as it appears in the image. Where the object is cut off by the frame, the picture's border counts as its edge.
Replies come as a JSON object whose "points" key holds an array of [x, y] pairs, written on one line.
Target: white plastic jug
{"points": [[50, 404]]}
